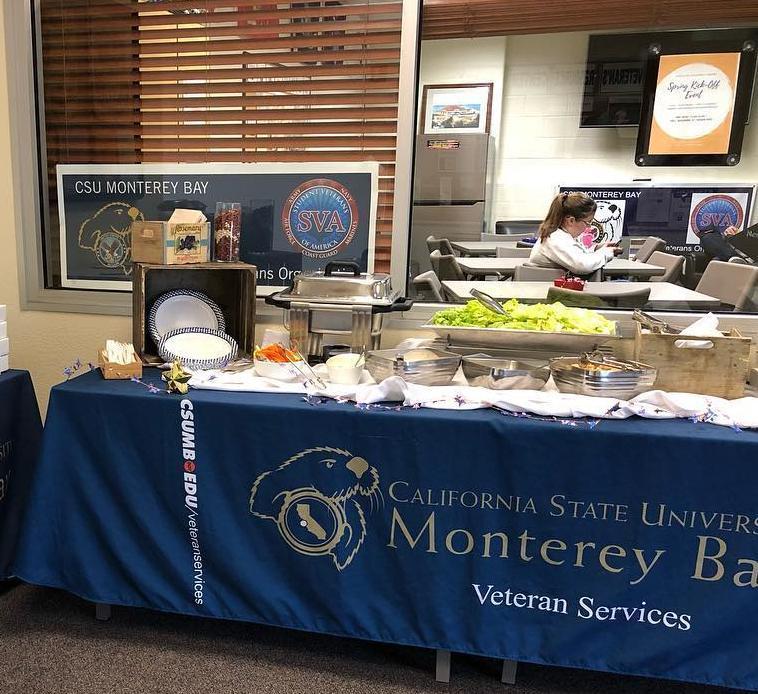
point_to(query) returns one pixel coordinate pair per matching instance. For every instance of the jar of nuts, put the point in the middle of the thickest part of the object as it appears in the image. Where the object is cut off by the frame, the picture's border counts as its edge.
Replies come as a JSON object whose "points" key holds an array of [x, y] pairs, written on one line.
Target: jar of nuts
{"points": [[227, 229]]}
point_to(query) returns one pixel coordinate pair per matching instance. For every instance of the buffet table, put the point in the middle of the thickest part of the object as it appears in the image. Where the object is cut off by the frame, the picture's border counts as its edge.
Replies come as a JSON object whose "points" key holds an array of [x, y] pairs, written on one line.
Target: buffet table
{"points": [[506, 267], [20, 432], [625, 546], [662, 294]]}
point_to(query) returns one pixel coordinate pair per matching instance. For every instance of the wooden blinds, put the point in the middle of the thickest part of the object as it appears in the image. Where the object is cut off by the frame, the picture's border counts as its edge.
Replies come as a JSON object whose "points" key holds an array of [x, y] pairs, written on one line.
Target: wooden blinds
{"points": [[131, 81], [444, 19]]}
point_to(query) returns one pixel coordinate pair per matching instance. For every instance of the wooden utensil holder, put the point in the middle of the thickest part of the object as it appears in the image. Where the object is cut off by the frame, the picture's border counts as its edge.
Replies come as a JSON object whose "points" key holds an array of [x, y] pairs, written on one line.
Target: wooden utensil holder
{"points": [[720, 370], [114, 371]]}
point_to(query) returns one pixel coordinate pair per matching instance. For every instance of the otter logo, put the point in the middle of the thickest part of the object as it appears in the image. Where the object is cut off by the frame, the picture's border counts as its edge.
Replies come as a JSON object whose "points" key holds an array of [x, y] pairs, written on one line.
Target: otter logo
{"points": [[108, 234], [609, 221], [317, 498]]}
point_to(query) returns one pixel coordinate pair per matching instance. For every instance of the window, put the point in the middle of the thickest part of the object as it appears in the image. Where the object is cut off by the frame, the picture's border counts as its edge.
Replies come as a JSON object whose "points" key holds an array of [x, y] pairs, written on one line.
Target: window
{"points": [[509, 116], [208, 81]]}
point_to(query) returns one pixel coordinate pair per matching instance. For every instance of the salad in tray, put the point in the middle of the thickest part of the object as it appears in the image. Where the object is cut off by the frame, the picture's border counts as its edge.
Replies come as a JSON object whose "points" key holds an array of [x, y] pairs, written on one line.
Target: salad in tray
{"points": [[538, 317]]}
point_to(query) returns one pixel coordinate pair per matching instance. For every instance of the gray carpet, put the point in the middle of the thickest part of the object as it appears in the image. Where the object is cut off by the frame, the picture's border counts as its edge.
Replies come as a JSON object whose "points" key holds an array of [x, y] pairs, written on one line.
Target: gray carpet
{"points": [[50, 643]]}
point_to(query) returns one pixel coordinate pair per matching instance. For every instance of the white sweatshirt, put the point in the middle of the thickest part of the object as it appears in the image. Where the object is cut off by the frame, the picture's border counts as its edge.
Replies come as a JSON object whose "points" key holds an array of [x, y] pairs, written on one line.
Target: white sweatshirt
{"points": [[560, 249]]}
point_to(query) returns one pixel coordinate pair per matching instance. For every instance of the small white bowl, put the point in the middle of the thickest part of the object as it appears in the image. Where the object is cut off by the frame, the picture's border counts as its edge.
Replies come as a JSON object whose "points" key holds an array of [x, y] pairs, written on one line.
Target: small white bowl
{"points": [[345, 369], [279, 371]]}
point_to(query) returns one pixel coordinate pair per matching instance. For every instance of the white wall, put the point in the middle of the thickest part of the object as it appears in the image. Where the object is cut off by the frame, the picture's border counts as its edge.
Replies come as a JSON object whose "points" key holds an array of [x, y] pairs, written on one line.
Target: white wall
{"points": [[542, 145], [465, 61], [537, 101]]}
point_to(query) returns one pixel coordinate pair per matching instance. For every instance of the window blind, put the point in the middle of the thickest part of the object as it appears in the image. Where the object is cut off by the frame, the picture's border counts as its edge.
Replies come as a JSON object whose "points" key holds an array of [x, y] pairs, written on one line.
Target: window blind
{"points": [[132, 81], [444, 19]]}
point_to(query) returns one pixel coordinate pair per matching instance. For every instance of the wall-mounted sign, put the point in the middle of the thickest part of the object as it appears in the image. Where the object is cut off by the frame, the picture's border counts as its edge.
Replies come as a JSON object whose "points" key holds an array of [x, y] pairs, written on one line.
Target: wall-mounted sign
{"points": [[695, 107], [295, 217], [677, 214], [694, 104]]}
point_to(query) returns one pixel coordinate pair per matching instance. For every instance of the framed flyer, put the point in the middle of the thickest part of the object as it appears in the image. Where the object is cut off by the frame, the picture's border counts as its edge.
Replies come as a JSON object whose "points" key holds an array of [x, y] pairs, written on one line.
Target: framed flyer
{"points": [[695, 107], [456, 108]]}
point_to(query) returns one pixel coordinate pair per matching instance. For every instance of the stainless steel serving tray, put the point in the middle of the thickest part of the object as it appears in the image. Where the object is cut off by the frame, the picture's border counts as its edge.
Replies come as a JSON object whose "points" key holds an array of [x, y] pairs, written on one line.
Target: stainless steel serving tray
{"points": [[384, 363], [507, 337]]}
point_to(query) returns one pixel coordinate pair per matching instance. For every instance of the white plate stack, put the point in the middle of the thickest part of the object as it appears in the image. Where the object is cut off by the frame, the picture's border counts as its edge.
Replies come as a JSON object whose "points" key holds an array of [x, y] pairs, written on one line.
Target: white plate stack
{"points": [[3, 340]]}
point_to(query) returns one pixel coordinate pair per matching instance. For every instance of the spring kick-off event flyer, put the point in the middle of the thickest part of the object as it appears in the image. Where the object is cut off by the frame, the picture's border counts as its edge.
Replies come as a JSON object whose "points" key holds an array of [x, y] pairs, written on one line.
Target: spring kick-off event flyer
{"points": [[694, 103]]}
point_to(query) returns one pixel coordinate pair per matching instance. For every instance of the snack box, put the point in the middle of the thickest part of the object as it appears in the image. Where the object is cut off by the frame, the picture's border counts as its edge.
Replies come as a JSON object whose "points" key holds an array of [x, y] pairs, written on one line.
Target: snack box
{"points": [[167, 243]]}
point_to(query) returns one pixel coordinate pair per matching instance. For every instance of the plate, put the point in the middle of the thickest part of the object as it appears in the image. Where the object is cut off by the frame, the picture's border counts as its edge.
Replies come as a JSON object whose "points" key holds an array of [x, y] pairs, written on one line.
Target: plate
{"points": [[183, 308], [198, 348], [508, 337]]}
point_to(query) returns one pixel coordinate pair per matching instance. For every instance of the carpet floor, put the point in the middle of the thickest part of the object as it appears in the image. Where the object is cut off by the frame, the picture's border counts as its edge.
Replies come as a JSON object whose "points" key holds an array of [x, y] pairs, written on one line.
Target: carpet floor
{"points": [[50, 643]]}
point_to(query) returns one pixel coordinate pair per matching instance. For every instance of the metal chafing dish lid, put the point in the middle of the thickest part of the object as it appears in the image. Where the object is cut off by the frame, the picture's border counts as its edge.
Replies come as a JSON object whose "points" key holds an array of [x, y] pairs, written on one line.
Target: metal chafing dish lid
{"points": [[342, 282]]}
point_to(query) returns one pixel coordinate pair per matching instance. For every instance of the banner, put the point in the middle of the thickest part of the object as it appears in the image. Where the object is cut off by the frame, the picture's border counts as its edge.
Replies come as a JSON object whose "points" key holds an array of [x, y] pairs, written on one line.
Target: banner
{"points": [[694, 104], [295, 217], [627, 546], [677, 214]]}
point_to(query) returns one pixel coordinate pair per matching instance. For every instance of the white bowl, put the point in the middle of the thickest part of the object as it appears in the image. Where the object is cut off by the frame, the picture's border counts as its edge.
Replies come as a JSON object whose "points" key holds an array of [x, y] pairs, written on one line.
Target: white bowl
{"points": [[345, 369], [279, 371]]}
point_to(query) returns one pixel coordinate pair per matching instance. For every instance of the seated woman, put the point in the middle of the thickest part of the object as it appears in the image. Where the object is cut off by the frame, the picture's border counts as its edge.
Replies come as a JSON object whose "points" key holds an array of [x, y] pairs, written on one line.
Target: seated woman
{"points": [[558, 245]]}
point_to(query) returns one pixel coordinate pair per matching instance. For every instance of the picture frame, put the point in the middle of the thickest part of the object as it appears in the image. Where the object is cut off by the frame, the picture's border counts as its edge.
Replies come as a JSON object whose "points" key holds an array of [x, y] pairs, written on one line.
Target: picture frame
{"points": [[696, 104], [456, 108]]}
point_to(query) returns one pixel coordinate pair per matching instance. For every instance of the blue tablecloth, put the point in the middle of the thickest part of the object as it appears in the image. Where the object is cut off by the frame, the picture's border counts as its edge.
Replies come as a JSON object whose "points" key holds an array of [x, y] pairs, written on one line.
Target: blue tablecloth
{"points": [[629, 546], [20, 433]]}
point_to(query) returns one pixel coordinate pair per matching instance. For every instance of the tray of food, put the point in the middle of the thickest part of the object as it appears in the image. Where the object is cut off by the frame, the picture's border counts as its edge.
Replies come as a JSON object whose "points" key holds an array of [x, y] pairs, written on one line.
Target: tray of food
{"points": [[552, 326], [596, 374]]}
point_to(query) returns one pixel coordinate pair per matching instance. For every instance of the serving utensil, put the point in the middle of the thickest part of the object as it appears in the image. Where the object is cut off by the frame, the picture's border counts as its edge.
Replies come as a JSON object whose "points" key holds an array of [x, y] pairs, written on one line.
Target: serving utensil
{"points": [[488, 301], [655, 325], [308, 373]]}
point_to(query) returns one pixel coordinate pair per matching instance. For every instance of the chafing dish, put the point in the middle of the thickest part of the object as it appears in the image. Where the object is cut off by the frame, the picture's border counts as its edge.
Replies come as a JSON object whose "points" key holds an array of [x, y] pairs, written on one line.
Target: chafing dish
{"points": [[340, 300], [439, 371], [505, 374], [600, 376]]}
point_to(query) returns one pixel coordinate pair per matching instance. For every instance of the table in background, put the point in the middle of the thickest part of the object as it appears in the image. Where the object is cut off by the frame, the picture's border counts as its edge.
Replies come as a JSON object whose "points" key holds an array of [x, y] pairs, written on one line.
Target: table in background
{"points": [[414, 526], [618, 267], [20, 433], [662, 294], [481, 248]]}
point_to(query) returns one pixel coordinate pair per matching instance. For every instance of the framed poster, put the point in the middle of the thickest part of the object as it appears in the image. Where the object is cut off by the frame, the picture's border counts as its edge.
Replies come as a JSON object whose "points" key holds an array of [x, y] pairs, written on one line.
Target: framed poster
{"points": [[456, 108], [295, 217], [695, 107]]}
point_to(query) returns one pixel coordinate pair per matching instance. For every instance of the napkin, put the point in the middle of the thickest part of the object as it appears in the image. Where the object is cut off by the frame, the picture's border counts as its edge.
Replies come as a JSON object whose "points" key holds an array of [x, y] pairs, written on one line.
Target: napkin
{"points": [[181, 216], [707, 326]]}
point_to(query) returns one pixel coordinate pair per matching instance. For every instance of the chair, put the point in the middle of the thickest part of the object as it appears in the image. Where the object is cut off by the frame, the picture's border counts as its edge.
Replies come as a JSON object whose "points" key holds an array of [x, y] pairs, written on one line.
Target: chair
{"points": [[429, 282], [651, 245], [571, 297], [586, 299], [731, 283], [674, 265], [533, 273], [441, 245], [512, 227], [446, 267], [505, 252]]}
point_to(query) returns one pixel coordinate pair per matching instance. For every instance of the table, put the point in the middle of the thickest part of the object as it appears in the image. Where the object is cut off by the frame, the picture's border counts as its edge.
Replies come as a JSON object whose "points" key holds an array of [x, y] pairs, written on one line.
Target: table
{"points": [[20, 434], [618, 267], [662, 294], [481, 248], [469, 531]]}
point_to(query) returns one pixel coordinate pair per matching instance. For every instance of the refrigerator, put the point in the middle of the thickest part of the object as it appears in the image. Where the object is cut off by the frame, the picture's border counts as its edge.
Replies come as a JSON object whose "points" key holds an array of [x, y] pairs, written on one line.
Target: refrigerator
{"points": [[451, 191]]}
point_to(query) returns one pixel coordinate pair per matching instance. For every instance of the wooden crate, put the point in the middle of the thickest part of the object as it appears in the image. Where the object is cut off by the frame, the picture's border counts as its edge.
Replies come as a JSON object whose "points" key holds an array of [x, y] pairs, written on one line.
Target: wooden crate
{"points": [[230, 285], [720, 370], [113, 371]]}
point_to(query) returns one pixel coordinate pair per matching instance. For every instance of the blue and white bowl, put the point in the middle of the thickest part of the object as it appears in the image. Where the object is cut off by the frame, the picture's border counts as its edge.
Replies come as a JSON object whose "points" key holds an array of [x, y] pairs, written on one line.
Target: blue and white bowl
{"points": [[183, 308], [198, 348]]}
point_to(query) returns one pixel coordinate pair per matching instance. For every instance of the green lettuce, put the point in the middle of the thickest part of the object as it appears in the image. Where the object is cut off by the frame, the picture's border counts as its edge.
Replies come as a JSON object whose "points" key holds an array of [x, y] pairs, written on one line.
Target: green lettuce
{"points": [[544, 317]]}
